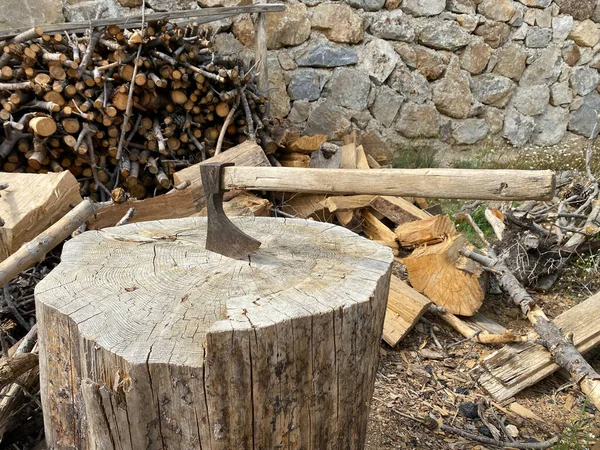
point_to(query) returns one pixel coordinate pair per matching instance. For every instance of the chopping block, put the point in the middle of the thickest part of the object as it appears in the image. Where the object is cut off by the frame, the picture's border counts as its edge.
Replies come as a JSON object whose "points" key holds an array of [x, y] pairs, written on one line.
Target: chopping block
{"points": [[150, 341]]}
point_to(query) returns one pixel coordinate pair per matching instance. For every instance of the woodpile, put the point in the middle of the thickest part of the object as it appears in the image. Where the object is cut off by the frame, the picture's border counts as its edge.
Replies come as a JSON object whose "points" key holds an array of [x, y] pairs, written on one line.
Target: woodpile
{"points": [[121, 107]]}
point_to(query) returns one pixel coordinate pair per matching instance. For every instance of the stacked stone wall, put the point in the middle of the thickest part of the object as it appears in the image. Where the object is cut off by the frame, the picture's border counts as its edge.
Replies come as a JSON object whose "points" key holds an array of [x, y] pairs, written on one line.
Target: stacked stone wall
{"points": [[433, 73]]}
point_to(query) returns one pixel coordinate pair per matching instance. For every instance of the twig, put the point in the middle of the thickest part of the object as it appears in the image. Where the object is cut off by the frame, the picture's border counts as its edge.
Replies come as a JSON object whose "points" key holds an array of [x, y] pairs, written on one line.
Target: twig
{"points": [[13, 309], [89, 51], [588, 153], [248, 114], [180, 187], [126, 218], [465, 216], [224, 127], [90, 147]]}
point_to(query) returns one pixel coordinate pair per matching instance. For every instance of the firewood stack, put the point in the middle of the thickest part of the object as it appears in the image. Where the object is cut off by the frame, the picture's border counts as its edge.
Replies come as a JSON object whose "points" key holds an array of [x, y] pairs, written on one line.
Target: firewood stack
{"points": [[65, 97]]}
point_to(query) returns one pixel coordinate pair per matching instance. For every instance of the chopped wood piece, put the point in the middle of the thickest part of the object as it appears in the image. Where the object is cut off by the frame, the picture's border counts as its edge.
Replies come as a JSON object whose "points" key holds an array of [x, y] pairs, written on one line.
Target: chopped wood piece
{"points": [[245, 154], [515, 367], [294, 160], [244, 204], [350, 220], [377, 231], [174, 205], [306, 144], [404, 309], [43, 125], [361, 158], [31, 203], [347, 202], [426, 231], [307, 207], [397, 209], [448, 278], [372, 163], [348, 160]]}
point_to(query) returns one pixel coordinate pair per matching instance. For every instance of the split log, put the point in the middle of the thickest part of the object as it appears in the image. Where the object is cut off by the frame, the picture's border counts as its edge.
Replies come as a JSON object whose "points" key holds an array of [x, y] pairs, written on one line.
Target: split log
{"points": [[294, 160], [347, 202], [306, 207], [142, 317], [427, 231], [506, 372], [32, 203], [379, 232], [246, 154], [404, 309], [306, 144], [397, 209], [244, 204], [446, 277], [174, 205]]}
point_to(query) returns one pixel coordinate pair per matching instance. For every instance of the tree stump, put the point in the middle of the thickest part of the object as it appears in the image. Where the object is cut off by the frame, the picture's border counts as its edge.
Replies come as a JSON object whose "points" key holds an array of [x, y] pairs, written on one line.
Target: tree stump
{"points": [[148, 341]]}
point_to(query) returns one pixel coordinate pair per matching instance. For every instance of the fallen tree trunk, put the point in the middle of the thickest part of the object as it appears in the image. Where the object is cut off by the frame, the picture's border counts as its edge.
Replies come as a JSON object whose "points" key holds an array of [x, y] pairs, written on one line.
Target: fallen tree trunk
{"points": [[560, 347]]}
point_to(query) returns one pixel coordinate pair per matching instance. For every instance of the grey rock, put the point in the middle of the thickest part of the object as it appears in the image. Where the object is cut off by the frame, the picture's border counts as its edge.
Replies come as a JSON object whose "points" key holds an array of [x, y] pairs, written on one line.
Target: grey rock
{"points": [[418, 121], [452, 95], [349, 88], [584, 120], [75, 12], [518, 128], [443, 35], [585, 33], [305, 84], [517, 18], [536, 3], [550, 127], [475, 57], [584, 80], [576, 103], [429, 63], [531, 100], [361, 119], [520, 33], [511, 61], [288, 28], [529, 17], [174, 5], [325, 54], [327, 17], [495, 34], [407, 53], [498, 10], [423, 7], [461, 6], [29, 13], [560, 94], [491, 89], [280, 100], [227, 44], [579, 9], [538, 37], [394, 25], [561, 27], [494, 118], [545, 69], [543, 18], [301, 109], [469, 131], [410, 84], [468, 22], [367, 5], [286, 61], [571, 53], [596, 14], [328, 118], [386, 105], [378, 59]]}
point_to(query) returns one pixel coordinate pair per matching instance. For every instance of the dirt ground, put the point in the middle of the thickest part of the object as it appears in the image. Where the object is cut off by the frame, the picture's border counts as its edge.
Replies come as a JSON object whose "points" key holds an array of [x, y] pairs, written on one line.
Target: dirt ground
{"points": [[413, 382]]}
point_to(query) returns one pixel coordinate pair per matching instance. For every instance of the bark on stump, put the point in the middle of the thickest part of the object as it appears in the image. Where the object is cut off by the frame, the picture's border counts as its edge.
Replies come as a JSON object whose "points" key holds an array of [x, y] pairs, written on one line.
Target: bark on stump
{"points": [[148, 341]]}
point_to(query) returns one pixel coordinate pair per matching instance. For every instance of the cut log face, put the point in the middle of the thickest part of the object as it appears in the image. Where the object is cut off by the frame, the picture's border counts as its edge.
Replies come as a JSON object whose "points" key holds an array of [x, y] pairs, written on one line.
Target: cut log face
{"points": [[149, 341], [447, 278]]}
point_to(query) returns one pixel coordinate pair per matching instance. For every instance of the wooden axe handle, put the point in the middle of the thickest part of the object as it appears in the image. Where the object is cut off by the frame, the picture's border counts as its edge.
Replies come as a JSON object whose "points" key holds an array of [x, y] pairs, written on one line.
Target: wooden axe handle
{"points": [[471, 184]]}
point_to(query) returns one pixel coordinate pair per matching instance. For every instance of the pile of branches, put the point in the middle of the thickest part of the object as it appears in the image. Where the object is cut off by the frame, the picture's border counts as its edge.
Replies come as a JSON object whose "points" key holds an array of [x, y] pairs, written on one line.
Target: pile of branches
{"points": [[120, 107]]}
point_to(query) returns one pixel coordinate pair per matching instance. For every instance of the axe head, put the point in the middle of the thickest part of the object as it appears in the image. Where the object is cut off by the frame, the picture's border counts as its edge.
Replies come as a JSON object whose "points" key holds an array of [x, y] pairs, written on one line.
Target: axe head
{"points": [[222, 235]]}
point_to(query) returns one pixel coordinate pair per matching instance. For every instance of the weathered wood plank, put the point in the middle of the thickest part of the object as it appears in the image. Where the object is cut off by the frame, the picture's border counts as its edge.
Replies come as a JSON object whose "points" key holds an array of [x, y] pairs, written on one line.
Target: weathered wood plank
{"points": [[516, 366]]}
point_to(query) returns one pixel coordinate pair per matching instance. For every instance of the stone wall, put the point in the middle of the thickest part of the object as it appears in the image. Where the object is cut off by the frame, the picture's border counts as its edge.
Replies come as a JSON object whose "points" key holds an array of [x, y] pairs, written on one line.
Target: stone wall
{"points": [[433, 73]]}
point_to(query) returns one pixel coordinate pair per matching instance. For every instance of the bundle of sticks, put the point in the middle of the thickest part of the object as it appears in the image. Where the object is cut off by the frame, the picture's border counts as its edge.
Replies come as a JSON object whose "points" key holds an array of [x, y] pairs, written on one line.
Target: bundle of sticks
{"points": [[120, 107]]}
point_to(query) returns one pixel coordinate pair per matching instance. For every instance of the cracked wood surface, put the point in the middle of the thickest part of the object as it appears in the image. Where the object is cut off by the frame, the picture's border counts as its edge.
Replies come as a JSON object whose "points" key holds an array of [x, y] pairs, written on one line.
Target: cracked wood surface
{"points": [[148, 341]]}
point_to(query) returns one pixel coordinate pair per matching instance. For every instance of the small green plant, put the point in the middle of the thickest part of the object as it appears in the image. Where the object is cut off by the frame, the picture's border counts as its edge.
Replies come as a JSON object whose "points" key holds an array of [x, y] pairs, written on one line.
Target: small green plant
{"points": [[415, 158], [577, 434]]}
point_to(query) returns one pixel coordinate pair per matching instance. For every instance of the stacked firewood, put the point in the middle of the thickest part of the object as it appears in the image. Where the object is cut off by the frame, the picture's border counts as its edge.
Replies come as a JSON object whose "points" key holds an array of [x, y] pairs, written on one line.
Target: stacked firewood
{"points": [[119, 107]]}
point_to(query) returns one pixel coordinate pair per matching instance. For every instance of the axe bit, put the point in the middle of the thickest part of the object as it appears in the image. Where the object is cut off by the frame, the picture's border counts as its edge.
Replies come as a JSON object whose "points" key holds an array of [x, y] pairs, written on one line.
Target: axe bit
{"points": [[222, 235]]}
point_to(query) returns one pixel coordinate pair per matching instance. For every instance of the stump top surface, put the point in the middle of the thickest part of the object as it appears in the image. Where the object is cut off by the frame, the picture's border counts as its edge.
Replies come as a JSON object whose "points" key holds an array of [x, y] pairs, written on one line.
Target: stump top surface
{"points": [[150, 292]]}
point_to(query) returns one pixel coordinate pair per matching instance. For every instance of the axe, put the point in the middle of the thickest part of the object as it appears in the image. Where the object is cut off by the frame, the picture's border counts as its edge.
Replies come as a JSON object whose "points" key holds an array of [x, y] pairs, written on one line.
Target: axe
{"points": [[225, 238]]}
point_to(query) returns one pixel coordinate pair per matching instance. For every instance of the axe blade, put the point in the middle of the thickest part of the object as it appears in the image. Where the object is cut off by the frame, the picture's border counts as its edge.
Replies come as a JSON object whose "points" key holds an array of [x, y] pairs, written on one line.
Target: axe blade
{"points": [[222, 235]]}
